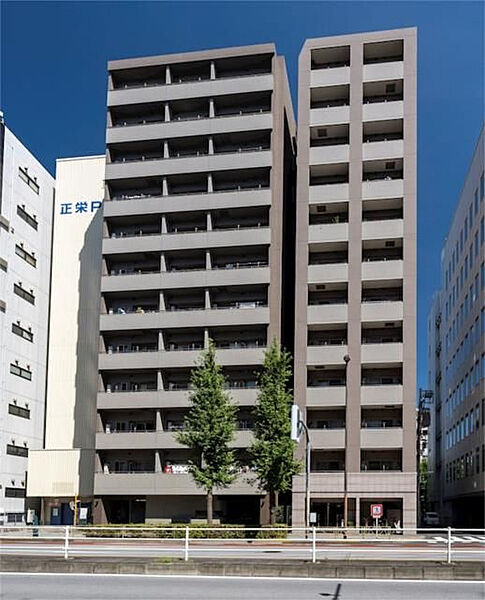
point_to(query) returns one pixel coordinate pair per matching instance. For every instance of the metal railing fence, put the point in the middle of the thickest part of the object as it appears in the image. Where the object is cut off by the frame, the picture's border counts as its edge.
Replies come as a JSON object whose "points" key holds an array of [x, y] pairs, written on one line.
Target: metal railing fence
{"points": [[184, 541]]}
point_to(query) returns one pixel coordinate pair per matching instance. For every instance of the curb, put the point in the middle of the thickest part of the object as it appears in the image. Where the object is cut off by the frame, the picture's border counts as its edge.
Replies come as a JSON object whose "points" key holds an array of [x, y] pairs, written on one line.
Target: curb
{"points": [[470, 571]]}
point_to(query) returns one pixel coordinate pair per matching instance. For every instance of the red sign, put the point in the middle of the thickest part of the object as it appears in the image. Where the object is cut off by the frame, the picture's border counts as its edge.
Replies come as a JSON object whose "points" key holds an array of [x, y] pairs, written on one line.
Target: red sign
{"points": [[376, 511]]}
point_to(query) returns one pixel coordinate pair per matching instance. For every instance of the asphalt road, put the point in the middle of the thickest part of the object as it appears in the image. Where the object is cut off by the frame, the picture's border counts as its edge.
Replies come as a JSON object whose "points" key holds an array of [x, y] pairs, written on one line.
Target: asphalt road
{"points": [[339, 551], [20, 586]]}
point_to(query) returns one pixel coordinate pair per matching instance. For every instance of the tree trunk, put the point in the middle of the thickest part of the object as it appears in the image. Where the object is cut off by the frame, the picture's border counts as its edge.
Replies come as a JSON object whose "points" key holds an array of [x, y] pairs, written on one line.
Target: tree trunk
{"points": [[210, 507], [272, 507]]}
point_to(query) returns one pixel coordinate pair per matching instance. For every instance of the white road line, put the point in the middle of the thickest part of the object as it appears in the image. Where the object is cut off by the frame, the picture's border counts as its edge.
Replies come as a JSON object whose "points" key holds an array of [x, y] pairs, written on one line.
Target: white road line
{"points": [[237, 577]]}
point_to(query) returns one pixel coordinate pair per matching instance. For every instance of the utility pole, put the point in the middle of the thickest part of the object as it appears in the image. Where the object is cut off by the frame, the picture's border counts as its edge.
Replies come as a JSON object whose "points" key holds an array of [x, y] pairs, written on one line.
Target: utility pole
{"points": [[346, 499]]}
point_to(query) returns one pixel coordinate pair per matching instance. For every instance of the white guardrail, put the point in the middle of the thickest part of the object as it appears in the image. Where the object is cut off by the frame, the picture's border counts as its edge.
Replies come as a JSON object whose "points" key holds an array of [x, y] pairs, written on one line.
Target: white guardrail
{"points": [[69, 540]]}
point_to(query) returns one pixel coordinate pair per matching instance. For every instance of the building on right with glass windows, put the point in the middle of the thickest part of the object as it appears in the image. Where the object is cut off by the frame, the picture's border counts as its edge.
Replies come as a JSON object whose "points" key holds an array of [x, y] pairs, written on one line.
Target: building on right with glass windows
{"points": [[355, 302], [456, 361]]}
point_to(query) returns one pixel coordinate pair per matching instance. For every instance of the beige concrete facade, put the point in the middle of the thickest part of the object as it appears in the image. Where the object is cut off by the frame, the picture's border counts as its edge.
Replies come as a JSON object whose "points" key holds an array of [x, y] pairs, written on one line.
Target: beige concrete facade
{"points": [[356, 273], [199, 168], [64, 468]]}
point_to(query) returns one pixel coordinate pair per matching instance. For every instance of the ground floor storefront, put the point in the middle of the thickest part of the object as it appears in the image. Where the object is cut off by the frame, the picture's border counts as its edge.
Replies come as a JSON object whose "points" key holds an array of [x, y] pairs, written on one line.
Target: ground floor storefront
{"points": [[329, 512], [245, 510]]}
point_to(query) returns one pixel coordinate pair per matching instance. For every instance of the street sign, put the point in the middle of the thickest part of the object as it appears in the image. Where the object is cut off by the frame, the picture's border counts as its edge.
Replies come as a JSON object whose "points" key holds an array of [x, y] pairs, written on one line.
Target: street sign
{"points": [[376, 511]]}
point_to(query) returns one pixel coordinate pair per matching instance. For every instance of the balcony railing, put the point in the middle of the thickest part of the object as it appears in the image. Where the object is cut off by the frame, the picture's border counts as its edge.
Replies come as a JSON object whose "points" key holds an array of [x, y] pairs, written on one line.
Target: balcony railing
{"points": [[319, 424], [329, 180], [381, 381], [380, 424], [330, 65], [227, 188], [389, 339], [327, 383], [381, 466], [383, 176], [187, 79], [329, 467], [335, 141], [330, 103], [131, 348], [193, 117], [238, 345], [134, 387], [383, 59], [327, 342], [382, 137], [174, 347], [383, 98]]}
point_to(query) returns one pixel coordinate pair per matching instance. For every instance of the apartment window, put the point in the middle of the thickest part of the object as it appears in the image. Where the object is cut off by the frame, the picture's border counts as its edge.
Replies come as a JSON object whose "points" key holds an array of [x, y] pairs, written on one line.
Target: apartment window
{"points": [[19, 411], [477, 461], [14, 450], [30, 181], [19, 290], [26, 334], [12, 492], [30, 258], [476, 201], [29, 219], [482, 187], [20, 371]]}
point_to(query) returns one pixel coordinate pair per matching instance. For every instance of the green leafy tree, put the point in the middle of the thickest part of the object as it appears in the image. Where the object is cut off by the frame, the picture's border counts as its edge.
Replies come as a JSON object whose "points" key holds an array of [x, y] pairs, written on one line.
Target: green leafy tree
{"points": [[209, 427], [272, 450]]}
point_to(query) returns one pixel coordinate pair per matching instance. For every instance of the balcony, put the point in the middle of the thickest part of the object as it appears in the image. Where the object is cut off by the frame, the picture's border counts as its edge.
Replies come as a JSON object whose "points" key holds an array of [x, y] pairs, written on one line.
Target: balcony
{"points": [[327, 438], [155, 440], [245, 314], [337, 153], [166, 398], [381, 395], [330, 232], [157, 90], [251, 272], [325, 396], [165, 484], [382, 311], [185, 356], [327, 273], [327, 313], [381, 353], [326, 355], [385, 269], [255, 119], [188, 240], [392, 68], [381, 460], [192, 164], [393, 228]]}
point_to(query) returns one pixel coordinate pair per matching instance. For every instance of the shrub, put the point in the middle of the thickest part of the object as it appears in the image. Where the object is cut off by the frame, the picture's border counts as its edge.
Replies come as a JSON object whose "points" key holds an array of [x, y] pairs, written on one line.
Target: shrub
{"points": [[273, 532], [173, 531]]}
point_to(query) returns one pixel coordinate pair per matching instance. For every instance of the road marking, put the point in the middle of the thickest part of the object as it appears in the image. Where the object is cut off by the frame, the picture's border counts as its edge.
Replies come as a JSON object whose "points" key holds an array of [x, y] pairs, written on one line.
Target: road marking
{"points": [[238, 577], [466, 539]]}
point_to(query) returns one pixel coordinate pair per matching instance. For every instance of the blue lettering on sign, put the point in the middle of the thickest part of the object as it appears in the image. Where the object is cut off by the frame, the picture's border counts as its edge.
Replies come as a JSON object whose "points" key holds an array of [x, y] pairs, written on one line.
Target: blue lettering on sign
{"points": [[81, 207], [70, 208]]}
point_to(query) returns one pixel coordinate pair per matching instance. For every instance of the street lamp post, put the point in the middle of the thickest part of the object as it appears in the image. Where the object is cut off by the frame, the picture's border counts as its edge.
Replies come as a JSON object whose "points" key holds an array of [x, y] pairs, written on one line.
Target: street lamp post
{"points": [[297, 425], [346, 499]]}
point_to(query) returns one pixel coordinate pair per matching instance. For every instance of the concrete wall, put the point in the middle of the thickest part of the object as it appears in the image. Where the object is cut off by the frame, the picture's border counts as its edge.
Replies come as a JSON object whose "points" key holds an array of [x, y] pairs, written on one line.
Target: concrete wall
{"points": [[27, 431]]}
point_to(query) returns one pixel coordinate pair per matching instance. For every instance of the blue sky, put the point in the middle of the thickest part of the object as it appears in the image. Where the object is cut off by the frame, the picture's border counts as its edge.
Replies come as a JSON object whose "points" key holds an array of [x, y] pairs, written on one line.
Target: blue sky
{"points": [[53, 79]]}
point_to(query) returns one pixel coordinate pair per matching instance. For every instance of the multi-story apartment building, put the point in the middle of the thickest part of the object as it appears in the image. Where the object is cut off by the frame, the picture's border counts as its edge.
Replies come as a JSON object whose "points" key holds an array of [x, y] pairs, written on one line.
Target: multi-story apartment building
{"points": [[26, 200], [456, 329], [199, 192], [61, 473], [356, 275]]}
